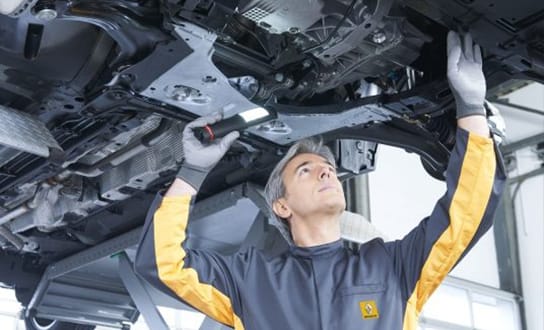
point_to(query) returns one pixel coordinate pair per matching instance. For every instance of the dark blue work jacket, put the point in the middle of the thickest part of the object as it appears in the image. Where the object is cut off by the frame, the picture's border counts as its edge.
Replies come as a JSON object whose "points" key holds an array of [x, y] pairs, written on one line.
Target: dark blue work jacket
{"points": [[383, 285]]}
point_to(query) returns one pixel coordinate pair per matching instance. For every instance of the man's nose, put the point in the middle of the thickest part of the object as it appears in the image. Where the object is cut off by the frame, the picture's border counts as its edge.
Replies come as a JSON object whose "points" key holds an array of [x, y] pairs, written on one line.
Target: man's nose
{"points": [[324, 173]]}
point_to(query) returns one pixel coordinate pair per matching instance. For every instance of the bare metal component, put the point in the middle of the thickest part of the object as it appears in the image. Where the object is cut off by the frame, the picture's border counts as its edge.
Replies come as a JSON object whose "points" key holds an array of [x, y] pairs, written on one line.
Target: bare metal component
{"points": [[278, 16], [30, 246], [46, 14], [24, 132], [13, 214], [186, 94], [23, 194], [7, 154], [247, 85], [410, 77], [45, 10], [289, 128], [121, 148], [49, 207], [225, 98], [140, 170], [368, 89], [304, 126], [357, 156], [10, 237], [275, 127], [379, 37], [204, 88], [496, 122], [343, 38], [147, 151]]}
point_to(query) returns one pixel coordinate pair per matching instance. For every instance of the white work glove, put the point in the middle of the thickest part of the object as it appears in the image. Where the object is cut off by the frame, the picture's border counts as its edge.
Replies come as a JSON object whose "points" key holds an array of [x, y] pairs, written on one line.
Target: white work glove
{"points": [[199, 158], [465, 75]]}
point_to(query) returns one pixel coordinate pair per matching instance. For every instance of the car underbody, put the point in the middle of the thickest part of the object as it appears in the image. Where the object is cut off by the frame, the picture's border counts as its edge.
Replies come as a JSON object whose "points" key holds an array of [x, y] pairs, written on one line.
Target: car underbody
{"points": [[94, 96]]}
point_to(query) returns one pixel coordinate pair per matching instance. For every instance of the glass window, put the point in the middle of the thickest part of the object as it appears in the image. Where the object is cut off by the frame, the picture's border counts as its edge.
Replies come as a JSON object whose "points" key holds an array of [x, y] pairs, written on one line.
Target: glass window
{"points": [[449, 304], [492, 314], [460, 304]]}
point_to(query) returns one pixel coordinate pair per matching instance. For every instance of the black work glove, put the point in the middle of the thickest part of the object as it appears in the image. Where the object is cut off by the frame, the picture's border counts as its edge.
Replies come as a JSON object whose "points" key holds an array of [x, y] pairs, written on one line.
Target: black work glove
{"points": [[465, 75], [201, 159]]}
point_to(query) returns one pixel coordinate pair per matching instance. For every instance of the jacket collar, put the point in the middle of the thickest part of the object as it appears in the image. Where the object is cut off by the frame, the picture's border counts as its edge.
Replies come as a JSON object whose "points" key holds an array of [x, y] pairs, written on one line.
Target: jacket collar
{"points": [[317, 250]]}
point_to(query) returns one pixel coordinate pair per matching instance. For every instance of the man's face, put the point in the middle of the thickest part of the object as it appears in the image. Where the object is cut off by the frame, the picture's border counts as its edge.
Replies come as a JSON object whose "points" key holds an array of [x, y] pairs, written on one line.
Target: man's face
{"points": [[312, 187]]}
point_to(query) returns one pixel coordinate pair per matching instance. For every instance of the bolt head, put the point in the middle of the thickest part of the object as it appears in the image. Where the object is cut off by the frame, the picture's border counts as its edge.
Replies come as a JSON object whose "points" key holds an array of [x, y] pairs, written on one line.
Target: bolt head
{"points": [[279, 77], [294, 30], [209, 79], [379, 37], [46, 14]]}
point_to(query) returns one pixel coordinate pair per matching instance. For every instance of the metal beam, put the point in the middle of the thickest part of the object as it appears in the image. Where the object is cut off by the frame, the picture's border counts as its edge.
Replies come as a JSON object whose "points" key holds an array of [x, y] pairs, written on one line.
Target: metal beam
{"points": [[6, 234], [527, 142], [505, 231], [358, 195], [525, 176], [95, 253], [507, 250], [139, 294], [517, 106]]}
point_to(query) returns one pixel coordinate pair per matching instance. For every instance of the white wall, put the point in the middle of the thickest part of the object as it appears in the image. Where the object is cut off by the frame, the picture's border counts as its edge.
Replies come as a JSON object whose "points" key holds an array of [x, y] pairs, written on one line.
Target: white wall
{"points": [[402, 194], [529, 205], [529, 202]]}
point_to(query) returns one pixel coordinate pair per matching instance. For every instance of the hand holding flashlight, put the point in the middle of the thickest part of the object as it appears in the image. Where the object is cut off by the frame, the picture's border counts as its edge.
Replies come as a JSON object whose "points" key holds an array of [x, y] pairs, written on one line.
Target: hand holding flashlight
{"points": [[239, 122], [199, 159]]}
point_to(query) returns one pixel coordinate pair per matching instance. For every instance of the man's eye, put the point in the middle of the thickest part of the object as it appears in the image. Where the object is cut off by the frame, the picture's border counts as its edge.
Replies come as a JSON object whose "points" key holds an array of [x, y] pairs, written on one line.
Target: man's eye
{"points": [[304, 170]]}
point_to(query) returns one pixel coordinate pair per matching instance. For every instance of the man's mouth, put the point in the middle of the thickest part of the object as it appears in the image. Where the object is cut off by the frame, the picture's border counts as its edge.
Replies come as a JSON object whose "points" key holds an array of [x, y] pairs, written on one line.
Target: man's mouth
{"points": [[325, 188]]}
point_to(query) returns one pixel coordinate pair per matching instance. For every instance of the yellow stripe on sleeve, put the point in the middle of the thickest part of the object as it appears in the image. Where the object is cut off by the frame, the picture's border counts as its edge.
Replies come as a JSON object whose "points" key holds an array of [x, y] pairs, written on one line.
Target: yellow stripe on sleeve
{"points": [[466, 212], [170, 222]]}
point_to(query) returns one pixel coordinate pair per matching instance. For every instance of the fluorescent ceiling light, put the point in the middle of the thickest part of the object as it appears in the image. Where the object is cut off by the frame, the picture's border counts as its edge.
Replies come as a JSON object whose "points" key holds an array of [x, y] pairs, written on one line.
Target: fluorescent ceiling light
{"points": [[253, 114]]}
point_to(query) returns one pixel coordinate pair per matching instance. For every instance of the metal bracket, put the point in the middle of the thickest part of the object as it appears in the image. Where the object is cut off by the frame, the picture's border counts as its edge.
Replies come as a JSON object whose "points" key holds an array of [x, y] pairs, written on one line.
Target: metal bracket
{"points": [[357, 156]]}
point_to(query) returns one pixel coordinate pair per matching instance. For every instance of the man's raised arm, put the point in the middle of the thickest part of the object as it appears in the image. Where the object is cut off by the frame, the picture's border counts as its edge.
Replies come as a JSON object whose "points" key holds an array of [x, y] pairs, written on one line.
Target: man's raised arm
{"points": [[199, 278], [474, 180]]}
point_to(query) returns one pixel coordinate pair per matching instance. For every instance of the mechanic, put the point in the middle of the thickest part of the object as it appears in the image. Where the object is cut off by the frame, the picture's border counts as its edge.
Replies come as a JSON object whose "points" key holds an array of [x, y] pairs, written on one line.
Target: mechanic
{"points": [[318, 283]]}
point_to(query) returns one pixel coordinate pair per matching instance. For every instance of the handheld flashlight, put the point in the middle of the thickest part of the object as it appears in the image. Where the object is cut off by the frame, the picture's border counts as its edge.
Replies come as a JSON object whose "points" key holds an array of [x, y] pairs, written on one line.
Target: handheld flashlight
{"points": [[238, 122]]}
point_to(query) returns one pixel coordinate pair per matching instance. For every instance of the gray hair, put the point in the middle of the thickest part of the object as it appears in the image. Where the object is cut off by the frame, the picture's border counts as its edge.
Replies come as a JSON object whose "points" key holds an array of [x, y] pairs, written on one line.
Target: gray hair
{"points": [[275, 187]]}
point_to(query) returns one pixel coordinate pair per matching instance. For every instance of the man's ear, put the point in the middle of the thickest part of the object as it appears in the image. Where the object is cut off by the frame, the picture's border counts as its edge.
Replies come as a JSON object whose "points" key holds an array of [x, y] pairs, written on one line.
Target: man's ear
{"points": [[281, 209]]}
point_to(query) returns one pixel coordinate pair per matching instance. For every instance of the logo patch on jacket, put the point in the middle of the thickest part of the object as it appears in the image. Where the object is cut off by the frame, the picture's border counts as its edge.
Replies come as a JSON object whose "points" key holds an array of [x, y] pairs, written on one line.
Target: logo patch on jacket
{"points": [[369, 309]]}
